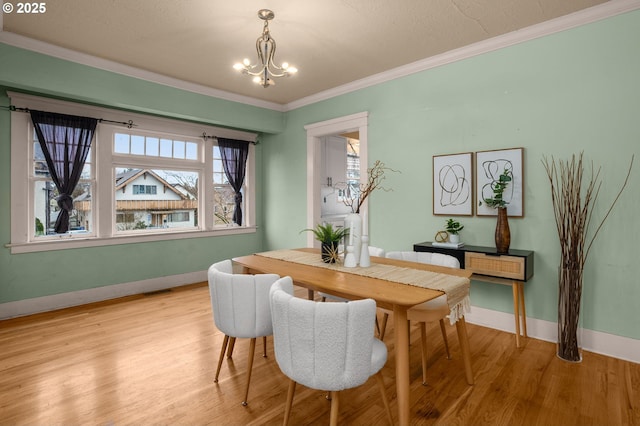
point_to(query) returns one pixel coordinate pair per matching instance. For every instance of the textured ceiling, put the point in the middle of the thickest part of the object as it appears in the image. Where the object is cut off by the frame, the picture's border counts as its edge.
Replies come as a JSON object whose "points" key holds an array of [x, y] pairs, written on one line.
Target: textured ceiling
{"points": [[331, 42]]}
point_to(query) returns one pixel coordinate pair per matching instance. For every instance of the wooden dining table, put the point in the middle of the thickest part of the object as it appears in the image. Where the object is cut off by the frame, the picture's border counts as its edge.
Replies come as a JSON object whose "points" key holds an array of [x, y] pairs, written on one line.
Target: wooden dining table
{"points": [[388, 294]]}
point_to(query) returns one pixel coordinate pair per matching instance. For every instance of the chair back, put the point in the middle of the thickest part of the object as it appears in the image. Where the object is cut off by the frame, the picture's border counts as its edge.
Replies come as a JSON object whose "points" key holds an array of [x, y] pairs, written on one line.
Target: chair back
{"points": [[376, 251], [325, 346], [424, 257], [240, 302]]}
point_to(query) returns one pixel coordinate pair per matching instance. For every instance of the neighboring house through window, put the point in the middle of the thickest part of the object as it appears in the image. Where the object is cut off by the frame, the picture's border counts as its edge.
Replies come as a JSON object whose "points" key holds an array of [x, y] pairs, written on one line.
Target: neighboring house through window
{"points": [[142, 181]]}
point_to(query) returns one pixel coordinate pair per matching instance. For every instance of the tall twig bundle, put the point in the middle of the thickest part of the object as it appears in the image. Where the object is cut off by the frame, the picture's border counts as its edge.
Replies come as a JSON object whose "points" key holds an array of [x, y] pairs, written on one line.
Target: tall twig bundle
{"points": [[573, 212], [375, 176]]}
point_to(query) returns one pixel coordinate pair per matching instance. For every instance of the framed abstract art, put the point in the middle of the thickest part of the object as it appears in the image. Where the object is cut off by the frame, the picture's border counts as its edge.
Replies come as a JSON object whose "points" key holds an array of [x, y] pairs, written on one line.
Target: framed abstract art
{"points": [[489, 166], [453, 184]]}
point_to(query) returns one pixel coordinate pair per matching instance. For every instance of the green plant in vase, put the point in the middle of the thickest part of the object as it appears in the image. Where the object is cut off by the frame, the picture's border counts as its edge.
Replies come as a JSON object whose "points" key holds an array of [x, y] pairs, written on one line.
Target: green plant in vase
{"points": [[498, 187], [453, 228], [329, 238], [503, 234]]}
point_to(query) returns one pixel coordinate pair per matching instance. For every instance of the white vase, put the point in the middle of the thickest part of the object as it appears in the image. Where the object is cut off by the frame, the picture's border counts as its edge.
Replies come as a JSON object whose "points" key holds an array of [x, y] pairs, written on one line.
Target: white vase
{"points": [[454, 238], [353, 222]]}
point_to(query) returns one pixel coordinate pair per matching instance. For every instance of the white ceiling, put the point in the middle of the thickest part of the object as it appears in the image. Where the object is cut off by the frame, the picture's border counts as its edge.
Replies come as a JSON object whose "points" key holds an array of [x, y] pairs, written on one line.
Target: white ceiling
{"points": [[331, 42]]}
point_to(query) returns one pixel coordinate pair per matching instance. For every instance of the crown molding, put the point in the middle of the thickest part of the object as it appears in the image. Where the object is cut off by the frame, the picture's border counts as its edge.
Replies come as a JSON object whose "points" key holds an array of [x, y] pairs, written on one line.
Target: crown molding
{"points": [[586, 16], [48, 49], [576, 19]]}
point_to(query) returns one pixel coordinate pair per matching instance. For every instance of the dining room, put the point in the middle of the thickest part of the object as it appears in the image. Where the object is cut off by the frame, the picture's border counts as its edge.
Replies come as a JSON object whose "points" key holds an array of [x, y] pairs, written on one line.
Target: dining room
{"points": [[105, 312]]}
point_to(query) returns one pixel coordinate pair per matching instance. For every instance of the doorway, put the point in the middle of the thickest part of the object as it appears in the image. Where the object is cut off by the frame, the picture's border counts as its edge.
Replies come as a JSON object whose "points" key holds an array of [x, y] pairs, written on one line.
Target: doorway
{"points": [[315, 134]]}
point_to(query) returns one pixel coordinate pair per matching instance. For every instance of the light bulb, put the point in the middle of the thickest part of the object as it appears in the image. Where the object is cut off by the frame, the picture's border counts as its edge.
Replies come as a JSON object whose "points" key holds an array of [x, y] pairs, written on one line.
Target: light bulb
{"points": [[292, 70], [257, 80], [246, 62], [285, 65], [238, 66]]}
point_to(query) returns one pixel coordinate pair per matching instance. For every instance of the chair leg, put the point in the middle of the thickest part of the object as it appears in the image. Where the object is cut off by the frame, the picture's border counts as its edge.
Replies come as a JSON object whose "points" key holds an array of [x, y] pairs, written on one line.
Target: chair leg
{"points": [[264, 346], [383, 326], [287, 407], [224, 348], [252, 350], [335, 407], [444, 337], [423, 343], [385, 401], [232, 343]]}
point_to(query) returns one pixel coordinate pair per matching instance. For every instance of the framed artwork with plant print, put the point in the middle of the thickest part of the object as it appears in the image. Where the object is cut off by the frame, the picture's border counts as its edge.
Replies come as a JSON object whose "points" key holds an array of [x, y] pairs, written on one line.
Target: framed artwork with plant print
{"points": [[489, 166], [453, 184]]}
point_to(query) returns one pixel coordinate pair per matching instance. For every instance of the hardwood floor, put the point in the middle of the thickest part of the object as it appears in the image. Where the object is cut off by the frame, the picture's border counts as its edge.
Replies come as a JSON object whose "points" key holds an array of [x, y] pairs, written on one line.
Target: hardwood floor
{"points": [[151, 359]]}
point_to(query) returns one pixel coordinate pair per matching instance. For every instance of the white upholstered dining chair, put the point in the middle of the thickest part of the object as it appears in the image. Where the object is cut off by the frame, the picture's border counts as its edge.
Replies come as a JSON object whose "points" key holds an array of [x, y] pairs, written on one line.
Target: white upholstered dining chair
{"points": [[325, 346], [431, 311], [241, 309]]}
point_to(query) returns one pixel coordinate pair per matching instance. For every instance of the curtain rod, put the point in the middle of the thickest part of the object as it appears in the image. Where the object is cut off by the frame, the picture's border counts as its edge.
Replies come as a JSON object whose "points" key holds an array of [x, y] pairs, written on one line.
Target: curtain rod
{"points": [[129, 123], [205, 136]]}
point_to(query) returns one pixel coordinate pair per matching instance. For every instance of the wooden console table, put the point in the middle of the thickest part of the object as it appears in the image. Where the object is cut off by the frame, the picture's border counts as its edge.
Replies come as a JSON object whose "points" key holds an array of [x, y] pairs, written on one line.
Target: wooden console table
{"points": [[513, 268]]}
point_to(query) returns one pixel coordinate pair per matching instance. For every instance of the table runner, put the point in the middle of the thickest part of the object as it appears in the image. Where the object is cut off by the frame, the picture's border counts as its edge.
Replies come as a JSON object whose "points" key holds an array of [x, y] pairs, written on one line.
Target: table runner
{"points": [[456, 288]]}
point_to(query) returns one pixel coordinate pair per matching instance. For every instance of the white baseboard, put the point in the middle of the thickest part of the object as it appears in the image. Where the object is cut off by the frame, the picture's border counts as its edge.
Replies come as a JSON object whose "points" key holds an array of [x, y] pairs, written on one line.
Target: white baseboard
{"points": [[593, 341], [36, 305], [607, 344]]}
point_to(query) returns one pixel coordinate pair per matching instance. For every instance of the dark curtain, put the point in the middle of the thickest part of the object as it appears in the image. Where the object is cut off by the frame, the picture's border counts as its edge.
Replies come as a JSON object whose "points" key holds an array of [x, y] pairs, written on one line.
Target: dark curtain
{"points": [[65, 141], [234, 160]]}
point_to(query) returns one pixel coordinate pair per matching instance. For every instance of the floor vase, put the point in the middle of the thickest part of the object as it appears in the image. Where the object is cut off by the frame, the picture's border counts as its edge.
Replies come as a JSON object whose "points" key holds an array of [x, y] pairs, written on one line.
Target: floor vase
{"points": [[569, 303]]}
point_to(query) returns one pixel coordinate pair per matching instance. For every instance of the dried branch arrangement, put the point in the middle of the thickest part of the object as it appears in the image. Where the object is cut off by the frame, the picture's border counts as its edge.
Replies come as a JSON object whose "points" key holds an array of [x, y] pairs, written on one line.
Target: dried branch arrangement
{"points": [[573, 213], [375, 177]]}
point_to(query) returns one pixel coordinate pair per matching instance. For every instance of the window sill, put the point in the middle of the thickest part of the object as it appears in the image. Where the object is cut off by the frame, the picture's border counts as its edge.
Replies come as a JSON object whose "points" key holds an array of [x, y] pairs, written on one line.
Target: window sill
{"points": [[74, 243]]}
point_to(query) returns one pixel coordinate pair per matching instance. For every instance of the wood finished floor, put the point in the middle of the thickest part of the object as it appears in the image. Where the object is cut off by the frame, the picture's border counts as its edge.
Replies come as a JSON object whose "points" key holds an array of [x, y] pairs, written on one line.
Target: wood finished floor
{"points": [[147, 360]]}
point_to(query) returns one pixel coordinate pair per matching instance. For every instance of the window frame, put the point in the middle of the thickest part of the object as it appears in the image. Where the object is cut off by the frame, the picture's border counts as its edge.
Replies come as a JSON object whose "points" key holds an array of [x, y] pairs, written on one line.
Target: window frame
{"points": [[104, 162]]}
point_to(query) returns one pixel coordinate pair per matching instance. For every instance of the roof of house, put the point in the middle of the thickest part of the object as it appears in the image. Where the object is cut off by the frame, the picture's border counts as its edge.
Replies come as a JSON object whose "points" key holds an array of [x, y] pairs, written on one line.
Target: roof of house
{"points": [[128, 176]]}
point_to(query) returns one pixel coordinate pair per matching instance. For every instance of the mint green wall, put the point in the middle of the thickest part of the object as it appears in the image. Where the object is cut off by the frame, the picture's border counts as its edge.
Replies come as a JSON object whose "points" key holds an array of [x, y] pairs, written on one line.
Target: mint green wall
{"points": [[24, 276], [569, 92], [40, 74], [573, 91]]}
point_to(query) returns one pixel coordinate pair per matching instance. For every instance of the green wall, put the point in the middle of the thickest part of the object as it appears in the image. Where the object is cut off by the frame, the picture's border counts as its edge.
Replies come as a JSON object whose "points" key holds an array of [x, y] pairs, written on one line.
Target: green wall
{"points": [[573, 91], [40, 74], [24, 276]]}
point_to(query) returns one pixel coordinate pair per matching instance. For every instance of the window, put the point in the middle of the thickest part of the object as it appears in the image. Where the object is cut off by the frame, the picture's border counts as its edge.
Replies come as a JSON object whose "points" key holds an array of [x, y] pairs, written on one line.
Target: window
{"points": [[224, 195], [147, 208], [45, 207], [353, 165], [140, 183], [179, 217], [144, 189]]}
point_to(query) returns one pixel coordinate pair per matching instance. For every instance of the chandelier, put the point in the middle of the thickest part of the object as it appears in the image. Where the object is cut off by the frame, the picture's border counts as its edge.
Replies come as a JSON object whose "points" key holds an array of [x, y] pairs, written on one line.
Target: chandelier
{"points": [[264, 71]]}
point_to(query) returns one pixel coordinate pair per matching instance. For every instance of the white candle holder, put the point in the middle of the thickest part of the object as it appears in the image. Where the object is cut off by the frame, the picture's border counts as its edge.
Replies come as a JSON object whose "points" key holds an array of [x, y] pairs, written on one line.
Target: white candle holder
{"points": [[350, 258], [365, 260]]}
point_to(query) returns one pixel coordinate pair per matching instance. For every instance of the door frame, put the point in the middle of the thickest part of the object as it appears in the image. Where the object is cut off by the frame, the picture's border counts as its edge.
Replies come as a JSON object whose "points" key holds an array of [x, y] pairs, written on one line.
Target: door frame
{"points": [[315, 131]]}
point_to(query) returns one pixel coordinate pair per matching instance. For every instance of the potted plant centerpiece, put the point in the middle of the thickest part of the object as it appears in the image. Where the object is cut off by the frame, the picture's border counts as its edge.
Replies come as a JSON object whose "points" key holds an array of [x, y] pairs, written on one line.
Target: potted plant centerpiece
{"points": [[329, 238], [503, 235], [453, 228]]}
